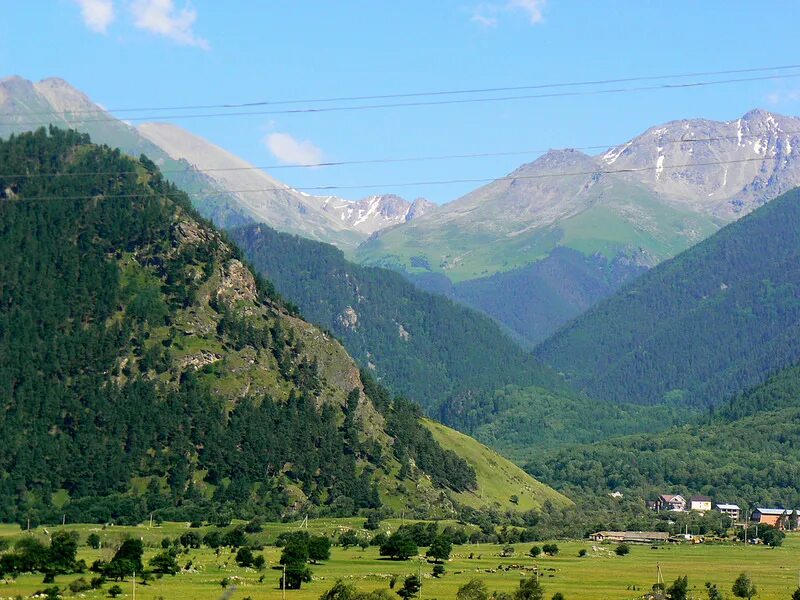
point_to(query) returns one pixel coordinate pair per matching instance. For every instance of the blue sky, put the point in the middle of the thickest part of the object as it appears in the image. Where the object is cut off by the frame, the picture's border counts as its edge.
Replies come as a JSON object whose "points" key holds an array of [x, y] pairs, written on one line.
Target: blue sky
{"points": [[152, 53]]}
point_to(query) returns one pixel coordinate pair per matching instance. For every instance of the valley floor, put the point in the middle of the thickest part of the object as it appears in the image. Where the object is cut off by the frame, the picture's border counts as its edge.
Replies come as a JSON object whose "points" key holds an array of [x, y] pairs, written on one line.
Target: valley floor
{"points": [[598, 575]]}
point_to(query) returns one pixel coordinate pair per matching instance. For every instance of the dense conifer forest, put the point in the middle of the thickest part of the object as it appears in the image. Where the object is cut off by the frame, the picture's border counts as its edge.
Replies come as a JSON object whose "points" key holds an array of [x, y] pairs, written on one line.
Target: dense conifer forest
{"points": [[700, 328], [146, 370], [744, 452]]}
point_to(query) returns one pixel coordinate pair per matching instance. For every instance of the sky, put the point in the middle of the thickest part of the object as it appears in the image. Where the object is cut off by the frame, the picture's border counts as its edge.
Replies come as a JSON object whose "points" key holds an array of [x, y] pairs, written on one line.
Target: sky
{"points": [[149, 54]]}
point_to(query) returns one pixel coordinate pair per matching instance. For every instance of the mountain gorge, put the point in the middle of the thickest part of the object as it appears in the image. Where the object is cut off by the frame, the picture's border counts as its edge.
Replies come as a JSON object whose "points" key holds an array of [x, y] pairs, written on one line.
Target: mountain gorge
{"points": [[148, 370], [420, 345]]}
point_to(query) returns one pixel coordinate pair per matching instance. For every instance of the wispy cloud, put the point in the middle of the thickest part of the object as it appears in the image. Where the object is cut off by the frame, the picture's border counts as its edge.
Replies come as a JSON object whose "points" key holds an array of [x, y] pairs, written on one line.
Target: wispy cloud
{"points": [[488, 14], [783, 96], [292, 151], [97, 14], [531, 8], [485, 14], [163, 18]]}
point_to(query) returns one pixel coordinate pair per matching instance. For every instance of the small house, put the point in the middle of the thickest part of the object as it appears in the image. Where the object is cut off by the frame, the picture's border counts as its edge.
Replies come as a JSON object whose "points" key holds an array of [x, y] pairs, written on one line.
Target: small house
{"points": [[777, 517], [731, 510], [701, 504], [671, 502]]}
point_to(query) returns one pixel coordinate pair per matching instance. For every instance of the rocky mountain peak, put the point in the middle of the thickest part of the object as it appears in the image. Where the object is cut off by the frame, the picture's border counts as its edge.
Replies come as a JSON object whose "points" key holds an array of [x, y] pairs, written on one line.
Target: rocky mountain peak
{"points": [[419, 207], [558, 159]]}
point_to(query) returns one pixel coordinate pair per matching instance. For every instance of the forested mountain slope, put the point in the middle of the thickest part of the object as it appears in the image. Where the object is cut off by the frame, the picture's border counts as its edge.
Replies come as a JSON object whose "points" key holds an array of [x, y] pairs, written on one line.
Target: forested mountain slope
{"points": [[146, 369], [746, 452], [419, 344], [700, 328]]}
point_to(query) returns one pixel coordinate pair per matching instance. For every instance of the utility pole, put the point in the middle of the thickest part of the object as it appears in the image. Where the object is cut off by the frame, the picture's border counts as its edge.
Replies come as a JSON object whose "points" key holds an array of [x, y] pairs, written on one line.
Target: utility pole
{"points": [[283, 584], [151, 521], [134, 585], [63, 520], [419, 576]]}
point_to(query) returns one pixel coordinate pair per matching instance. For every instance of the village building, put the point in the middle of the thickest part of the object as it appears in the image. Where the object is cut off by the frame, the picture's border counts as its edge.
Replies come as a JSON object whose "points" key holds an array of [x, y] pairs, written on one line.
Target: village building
{"points": [[782, 518], [701, 504], [630, 537], [671, 502], [731, 510]]}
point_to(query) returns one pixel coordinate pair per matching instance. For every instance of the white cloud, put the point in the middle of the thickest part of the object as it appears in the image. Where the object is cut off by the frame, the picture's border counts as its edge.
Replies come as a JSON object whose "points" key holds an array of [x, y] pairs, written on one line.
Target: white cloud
{"points": [[485, 14], [783, 97], [97, 14], [531, 8], [162, 18], [488, 14], [292, 151]]}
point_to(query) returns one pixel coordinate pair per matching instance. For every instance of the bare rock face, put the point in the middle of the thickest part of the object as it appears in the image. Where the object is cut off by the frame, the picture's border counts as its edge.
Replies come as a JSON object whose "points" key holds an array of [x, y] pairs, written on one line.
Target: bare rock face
{"points": [[403, 333], [237, 284], [199, 360], [349, 318]]}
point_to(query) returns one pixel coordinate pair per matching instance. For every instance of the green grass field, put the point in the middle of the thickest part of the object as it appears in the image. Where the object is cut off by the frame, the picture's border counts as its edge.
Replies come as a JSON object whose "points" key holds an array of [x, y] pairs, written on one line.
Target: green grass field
{"points": [[599, 575]]}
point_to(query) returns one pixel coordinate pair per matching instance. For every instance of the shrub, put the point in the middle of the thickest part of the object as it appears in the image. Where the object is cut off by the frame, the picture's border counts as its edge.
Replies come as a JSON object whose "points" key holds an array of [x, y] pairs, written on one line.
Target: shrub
{"points": [[79, 585], [114, 591], [622, 549], [582, 552], [550, 549]]}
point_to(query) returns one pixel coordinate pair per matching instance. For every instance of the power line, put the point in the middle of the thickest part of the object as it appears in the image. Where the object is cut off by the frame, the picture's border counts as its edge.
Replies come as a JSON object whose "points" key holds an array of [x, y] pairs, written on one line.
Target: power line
{"points": [[419, 183], [428, 93], [389, 160], [666, 86]]}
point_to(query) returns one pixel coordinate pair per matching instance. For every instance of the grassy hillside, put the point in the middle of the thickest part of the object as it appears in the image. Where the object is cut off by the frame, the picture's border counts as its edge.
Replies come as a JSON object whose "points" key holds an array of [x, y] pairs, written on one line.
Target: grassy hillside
{"points": [[487, 237], [706, 325], [498, 478]]}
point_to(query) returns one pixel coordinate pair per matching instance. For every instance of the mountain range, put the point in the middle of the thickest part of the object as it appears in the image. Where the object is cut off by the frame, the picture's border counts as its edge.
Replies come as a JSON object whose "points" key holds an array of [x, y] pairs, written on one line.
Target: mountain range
{"points": [[621, 211], [267, 200], [532, 250], [222, 186]]}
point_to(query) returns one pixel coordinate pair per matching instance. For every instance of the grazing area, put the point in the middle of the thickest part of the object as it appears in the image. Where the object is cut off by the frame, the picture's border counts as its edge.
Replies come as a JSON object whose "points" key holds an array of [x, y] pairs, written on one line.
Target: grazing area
{"points": [[597, 572]]}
